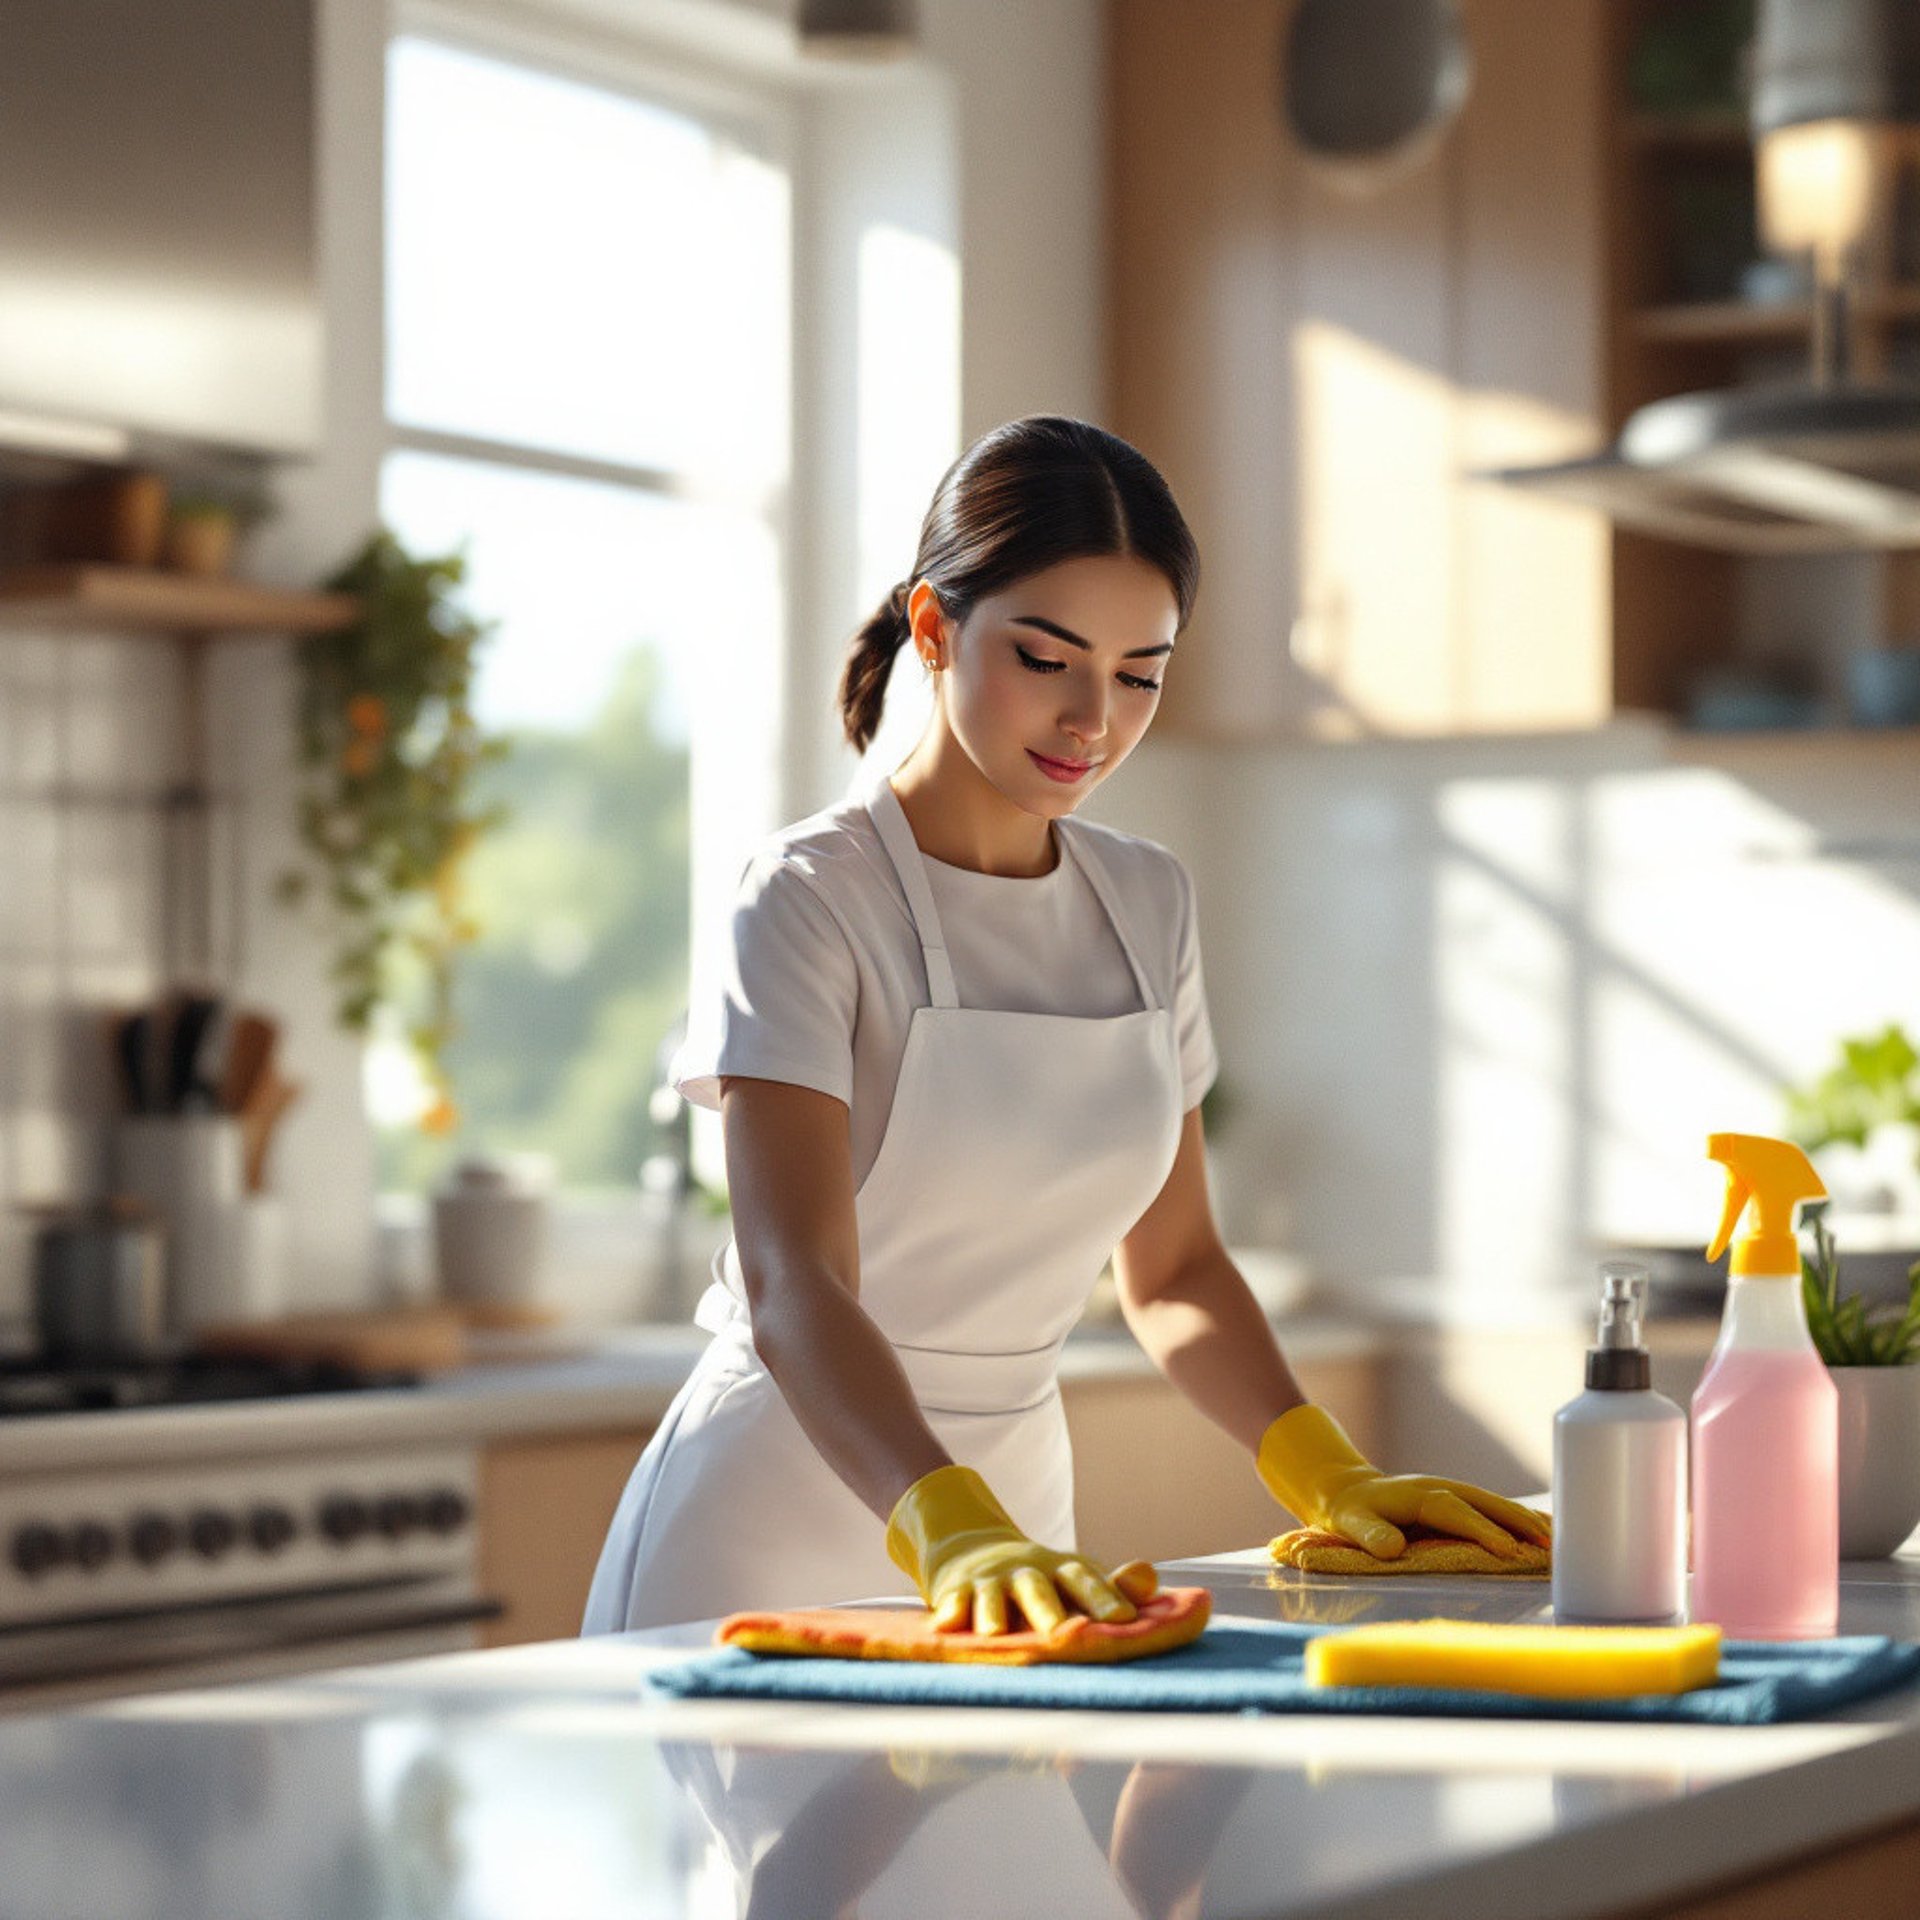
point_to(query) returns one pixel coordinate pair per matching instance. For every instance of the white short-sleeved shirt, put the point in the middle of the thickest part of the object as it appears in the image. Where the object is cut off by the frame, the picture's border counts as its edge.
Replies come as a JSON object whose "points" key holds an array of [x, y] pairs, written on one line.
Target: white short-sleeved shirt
{"points": [[817, 980]]}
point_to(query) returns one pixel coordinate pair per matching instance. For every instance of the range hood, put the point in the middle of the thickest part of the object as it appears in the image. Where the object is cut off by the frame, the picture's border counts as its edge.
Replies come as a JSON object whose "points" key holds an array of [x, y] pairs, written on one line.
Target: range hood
{"points": [[1827, 463], [1802, 468]]}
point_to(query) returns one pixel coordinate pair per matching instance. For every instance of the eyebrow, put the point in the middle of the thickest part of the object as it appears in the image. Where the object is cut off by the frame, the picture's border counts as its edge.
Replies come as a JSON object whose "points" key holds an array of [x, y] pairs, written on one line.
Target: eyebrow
{"points": [[1085, 646]]}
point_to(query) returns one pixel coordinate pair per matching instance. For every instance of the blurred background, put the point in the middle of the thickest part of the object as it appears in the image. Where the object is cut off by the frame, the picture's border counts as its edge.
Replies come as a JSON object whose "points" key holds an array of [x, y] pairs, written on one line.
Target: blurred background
{"points": [[1548, 761]]}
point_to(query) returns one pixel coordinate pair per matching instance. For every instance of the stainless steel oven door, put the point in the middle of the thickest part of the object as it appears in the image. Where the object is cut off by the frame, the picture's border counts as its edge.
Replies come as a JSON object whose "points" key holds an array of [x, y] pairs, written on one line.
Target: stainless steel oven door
{"points": [[101, 1657]]}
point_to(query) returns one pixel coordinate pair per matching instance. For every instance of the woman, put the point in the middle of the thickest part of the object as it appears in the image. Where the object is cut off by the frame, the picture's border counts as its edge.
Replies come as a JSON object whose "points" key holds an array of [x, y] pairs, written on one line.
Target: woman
{"points": [[959, 1051]]}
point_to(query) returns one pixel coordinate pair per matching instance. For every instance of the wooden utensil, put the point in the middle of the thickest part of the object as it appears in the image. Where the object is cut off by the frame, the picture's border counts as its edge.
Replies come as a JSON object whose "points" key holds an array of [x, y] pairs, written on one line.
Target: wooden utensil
{"points": [[267, 1103], [251, 1048]]}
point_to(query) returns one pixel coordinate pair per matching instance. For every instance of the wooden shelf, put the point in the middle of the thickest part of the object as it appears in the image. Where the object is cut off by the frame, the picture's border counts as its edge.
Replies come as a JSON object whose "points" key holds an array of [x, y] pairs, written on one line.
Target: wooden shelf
{"points": [[137, 600], [1708, 322], [1713, 133]]}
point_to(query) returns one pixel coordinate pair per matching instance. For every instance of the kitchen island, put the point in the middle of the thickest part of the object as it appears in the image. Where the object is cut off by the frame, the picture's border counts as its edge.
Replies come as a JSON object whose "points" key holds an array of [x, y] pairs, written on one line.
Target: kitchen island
{"points": [[545, 1780]]}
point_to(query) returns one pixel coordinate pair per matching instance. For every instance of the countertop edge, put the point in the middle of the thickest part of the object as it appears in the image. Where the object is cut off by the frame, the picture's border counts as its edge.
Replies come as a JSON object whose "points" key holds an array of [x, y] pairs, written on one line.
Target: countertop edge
{"points": [[627, 1383], [1647, 1857]]}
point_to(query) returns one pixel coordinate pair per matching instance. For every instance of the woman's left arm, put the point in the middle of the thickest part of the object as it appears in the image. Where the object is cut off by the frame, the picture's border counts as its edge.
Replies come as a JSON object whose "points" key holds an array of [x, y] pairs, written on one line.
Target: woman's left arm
{"points": [[1189, 1308]]}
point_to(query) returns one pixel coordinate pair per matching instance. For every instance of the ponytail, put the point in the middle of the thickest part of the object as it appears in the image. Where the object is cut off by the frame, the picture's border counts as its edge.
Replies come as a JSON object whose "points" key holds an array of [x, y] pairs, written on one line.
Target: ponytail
{"points": [[863, 681]]}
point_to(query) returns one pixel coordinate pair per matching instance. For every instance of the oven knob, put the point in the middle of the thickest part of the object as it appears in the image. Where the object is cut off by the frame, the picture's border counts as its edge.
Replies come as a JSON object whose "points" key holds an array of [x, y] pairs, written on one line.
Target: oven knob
{"points": [[91, 1545], [36, 1548], [396, 1515], [152, 1536], [210, 1533], [270, 1528], [343, 1518], [446, 1510]]}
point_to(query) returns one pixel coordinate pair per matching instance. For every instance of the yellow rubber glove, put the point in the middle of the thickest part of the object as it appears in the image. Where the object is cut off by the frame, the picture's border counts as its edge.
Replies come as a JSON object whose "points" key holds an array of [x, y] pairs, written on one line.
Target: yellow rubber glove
{"points": [[956, 1543], [1310, 1466]]}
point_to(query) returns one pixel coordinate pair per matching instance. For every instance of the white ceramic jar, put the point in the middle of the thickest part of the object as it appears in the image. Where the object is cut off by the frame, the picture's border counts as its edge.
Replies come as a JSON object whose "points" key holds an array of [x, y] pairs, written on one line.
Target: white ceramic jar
{"points": [[490, 1232], [1879, 1458]]}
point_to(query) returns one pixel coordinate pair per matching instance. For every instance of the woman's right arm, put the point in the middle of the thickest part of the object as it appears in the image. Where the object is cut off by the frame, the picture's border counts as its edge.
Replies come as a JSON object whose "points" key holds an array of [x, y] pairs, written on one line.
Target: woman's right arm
{"points": [[790, 1180]]}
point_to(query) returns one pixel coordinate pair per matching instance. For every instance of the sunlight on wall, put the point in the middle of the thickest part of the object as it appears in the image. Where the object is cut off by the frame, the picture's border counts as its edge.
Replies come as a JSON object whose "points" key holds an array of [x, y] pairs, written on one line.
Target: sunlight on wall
{"points": [[1376, 449], [1622, 965], [1504, 1050], [1739, 944], [909, 432], [1423, 595]]}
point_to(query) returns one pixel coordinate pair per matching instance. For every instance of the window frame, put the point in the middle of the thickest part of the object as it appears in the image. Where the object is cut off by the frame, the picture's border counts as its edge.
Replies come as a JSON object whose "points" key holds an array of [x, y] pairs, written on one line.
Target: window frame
{"points": [[595, 1237]]}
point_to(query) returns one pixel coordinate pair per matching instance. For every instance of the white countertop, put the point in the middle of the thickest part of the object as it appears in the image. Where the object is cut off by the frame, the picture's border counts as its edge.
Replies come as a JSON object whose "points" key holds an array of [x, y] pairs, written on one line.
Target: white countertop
{"points": [[545, 1780], [543, 1382]]}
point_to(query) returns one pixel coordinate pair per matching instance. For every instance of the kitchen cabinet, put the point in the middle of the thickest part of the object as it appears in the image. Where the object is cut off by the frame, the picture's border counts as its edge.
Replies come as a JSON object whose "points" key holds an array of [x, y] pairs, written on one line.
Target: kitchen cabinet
{"points": [[1319, 372], [1322, 373], [545, 1502]]}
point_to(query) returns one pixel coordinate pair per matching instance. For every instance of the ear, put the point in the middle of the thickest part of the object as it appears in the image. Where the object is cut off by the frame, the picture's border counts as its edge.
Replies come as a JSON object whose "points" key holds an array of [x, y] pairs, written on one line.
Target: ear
{"points": [[928, 625]]}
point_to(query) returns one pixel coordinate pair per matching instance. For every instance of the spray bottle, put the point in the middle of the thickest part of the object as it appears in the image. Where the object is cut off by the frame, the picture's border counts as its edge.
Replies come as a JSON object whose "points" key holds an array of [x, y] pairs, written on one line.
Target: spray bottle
{"points": [[1766, 1527], [1620, 1477]]}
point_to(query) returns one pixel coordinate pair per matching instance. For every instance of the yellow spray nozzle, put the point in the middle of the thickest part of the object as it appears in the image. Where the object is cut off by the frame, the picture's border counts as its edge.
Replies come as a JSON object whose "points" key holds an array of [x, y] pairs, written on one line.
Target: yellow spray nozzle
{"points": [[1774, 1176]]}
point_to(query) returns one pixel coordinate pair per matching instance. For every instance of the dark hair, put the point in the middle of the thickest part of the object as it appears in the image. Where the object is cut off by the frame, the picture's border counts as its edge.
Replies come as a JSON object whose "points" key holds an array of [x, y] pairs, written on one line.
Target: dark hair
{"points": [[1022, 498]]}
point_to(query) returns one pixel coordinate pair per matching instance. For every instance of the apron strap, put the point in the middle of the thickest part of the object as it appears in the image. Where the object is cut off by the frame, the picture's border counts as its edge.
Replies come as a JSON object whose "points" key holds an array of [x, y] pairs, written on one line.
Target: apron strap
{"points": [[904, 851], [1102, 883], [897, 837]]}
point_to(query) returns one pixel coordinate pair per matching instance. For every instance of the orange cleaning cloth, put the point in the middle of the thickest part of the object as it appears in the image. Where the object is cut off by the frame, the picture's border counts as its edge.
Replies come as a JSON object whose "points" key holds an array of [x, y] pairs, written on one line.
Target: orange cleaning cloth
{"points": [[1170, 1619], [1312, 1551]]}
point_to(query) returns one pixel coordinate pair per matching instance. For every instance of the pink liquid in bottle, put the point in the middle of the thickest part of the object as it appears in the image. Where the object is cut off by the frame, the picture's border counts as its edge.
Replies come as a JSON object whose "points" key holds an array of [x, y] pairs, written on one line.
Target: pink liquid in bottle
{"points": [[1766, 1525]]}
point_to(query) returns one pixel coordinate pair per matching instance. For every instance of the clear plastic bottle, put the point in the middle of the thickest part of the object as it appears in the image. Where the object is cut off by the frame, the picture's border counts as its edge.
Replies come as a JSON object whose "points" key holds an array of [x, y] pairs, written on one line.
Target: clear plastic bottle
{"points": [[1766, 1509], [1620, 1478]]}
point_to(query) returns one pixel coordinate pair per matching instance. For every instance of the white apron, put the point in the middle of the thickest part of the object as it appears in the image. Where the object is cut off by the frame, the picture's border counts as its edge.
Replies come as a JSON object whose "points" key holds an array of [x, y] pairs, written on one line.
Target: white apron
{"points": [[1020, 1149]]}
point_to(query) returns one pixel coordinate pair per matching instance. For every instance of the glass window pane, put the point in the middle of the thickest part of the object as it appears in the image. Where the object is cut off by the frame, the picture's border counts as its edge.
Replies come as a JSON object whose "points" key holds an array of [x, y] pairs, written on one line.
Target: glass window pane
{"points": [[569, 267], [619, 612]]}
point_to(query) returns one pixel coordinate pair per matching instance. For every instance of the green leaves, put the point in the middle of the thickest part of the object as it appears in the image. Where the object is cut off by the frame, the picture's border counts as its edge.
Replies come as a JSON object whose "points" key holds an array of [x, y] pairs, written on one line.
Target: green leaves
{"points": [[1876, 1083], [1845, 1329], [389, 749]]}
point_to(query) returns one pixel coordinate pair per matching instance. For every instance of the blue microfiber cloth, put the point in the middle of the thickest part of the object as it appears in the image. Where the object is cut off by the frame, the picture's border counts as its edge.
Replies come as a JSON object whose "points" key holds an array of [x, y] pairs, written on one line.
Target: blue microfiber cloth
{"points": [[1257, 1667]]}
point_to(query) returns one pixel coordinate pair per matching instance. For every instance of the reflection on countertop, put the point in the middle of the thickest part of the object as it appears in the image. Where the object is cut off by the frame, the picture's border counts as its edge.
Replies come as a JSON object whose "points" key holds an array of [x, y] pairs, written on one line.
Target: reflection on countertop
{"points": [[453, 1786]]}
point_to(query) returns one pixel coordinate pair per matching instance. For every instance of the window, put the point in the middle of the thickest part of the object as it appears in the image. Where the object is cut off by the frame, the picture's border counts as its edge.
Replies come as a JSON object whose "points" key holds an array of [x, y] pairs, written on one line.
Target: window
{"points": [[587, 390]]}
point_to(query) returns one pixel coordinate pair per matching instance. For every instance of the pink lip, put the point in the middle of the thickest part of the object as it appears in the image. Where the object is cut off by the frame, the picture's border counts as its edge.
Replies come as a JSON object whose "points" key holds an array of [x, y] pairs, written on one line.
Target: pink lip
{"points": [[1065, 771]]}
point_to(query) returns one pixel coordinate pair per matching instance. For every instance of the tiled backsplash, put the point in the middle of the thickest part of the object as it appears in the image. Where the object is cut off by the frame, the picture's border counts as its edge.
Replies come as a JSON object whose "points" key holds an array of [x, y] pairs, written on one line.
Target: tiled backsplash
{"points": [[90, 742]]}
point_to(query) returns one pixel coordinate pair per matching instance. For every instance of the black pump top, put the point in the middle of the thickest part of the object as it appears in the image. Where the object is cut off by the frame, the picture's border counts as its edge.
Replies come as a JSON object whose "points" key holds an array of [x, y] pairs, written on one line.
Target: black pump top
{"points": [[1619, 1364], [1619, 1369]]}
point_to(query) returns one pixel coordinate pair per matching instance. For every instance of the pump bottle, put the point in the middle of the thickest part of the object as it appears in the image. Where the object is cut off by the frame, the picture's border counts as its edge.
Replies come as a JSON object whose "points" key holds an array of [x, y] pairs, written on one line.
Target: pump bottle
{"points": [[1620, 1478], [1766, 1527]]}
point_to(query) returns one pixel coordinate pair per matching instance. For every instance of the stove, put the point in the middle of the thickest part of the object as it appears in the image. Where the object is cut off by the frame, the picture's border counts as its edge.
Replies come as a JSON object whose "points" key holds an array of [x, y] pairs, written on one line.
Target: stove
{"points": [[34, 1386], [190, 1569]]}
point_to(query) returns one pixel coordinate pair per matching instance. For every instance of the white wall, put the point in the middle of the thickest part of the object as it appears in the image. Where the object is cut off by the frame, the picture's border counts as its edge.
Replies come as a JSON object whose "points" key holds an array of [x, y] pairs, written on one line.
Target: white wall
{"points": [[1482, 1001]]}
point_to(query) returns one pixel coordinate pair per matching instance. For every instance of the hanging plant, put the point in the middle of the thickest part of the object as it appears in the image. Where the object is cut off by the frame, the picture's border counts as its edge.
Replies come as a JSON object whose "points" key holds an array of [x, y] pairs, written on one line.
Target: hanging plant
{"points": [[389, 751]]}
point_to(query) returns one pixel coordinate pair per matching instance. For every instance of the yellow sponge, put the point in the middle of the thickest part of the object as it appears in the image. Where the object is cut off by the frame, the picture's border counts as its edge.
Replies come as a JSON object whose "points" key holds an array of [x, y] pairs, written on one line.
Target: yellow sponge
{"points": [[1557, 1663]]}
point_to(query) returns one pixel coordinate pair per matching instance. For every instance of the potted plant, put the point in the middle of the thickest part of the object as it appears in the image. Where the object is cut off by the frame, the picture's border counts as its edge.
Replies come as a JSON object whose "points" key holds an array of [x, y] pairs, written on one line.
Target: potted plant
{"points": [[1870, 1094], [390, 750], [1871, 1354], [204, 526]]}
